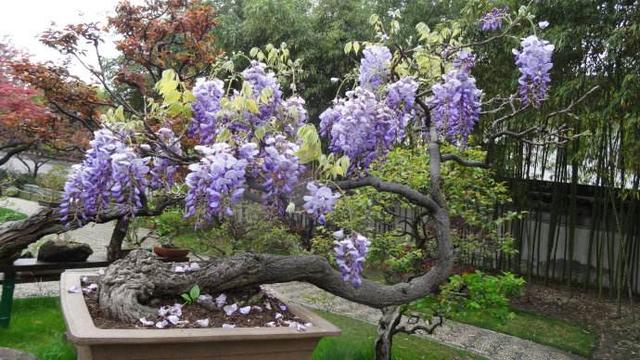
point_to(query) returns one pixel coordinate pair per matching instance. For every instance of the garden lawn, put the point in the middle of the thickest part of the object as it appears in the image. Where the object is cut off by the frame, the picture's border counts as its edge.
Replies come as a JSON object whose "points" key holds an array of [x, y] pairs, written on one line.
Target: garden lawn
{"points": [[10, 215], [356, 343], [37, 327], [538, 328]]}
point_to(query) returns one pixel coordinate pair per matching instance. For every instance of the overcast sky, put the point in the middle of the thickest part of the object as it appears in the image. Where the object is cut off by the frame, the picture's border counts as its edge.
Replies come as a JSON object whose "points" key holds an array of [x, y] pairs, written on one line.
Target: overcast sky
{"points": [[24, 20]]}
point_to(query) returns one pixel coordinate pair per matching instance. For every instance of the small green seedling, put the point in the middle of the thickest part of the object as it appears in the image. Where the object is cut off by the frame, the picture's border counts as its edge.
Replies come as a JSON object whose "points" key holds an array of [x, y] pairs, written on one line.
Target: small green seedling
{"points": [[191, 297]]}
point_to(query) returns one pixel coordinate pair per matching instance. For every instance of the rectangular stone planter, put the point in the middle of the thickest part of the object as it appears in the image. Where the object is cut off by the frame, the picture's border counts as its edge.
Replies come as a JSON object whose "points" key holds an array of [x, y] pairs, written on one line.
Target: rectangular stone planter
{"points": [[92, 343]]}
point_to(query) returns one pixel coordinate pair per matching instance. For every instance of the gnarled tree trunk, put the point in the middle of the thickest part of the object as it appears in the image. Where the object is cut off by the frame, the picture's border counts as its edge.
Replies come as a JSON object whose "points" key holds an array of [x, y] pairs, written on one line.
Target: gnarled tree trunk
{"points": [[129, 283], [386, 329]]}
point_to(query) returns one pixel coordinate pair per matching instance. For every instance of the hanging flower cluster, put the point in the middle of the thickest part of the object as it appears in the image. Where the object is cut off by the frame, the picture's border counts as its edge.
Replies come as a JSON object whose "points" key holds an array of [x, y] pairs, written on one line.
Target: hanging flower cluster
{"points": [[374, 66], [215, 183], [351, 252], [110, 171], [163, 170], [205, 108], [129, 180], [492, 20], [366, 123], [280, 169], [320, 201], [534, 63], [456, 105], [464, 61]]}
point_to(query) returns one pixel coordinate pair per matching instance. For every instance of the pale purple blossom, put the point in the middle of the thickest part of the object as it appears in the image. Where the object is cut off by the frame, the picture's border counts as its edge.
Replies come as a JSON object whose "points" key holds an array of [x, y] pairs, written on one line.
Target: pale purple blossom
{"points": [[374, 66], [208, 94], [320, 201], [215, 183], [492, 20], [534, 63], [351, 252], [456, 105]]}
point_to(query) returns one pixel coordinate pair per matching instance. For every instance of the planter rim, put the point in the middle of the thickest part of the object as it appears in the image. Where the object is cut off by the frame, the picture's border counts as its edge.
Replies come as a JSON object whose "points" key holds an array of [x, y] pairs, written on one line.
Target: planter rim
{"points": [[82, 331]]}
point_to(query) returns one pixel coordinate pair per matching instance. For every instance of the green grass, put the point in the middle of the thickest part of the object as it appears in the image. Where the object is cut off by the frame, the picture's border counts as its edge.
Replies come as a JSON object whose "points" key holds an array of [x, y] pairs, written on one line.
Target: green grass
{"points": [[10, 215], [356, 343], [37, 327], [538, 328]]}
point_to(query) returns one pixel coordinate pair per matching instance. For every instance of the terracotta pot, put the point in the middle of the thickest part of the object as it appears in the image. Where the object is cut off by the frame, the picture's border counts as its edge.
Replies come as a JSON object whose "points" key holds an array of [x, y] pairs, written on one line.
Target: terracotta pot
{"points": [[170, 253], [92, 343]]}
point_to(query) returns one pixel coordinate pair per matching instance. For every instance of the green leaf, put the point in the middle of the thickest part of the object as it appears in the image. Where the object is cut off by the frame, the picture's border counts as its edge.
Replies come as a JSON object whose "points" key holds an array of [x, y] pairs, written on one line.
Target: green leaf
{"points": [[186, 298], [254, 52], [347, 47], [195, 292], [356, 46]]}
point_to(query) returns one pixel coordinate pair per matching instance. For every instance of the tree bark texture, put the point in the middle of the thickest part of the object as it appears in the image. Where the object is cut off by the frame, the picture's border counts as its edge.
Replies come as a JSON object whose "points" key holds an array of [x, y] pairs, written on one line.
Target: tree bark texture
{"points": [[114, 250], [386, 329], [129, 283]]}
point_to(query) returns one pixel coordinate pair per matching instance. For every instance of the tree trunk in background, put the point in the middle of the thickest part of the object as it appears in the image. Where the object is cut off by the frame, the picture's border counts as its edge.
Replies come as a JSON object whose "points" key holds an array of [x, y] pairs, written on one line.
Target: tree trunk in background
{"points": [[114, 250]]}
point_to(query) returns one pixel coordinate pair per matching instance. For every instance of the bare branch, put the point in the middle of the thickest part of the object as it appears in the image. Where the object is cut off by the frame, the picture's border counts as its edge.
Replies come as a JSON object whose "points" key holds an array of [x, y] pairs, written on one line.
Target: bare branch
{"points": [[464, 162]]}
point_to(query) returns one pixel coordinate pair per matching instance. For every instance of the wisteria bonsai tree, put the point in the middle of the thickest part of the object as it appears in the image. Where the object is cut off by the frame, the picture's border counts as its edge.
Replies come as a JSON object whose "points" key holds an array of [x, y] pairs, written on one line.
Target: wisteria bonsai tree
{"points": [[245, 136]]}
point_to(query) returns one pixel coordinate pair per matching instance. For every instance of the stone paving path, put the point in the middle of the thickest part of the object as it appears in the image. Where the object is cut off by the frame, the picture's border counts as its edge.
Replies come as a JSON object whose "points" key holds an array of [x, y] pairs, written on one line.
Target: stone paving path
{"points": [[487, 343]]}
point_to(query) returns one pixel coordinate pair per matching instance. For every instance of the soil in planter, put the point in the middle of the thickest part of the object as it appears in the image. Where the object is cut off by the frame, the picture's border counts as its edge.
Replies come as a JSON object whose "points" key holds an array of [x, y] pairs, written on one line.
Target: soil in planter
{"points": [[266, 311]]}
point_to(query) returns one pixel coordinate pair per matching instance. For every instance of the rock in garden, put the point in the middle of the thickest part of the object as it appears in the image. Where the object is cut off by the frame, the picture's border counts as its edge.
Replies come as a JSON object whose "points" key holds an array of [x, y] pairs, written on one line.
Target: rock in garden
{"points": [[61, 250]]}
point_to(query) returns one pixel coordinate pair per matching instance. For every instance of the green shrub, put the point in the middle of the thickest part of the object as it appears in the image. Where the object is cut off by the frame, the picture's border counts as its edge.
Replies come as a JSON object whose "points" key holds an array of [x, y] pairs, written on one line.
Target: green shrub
{"points": [[475, 291]]}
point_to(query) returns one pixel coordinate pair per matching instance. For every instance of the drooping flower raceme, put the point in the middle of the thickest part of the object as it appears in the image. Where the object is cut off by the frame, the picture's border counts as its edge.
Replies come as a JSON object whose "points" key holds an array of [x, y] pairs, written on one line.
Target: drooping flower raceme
{"points": [[492, 20], [164, 170], [215, 183], [129, 173], [205, 108], [464, 61], [89, 189], [263, 83], [534, 63], [320, 201], [280, 169], [374, 66], [351, 253], [364, 126], [456, 105]]}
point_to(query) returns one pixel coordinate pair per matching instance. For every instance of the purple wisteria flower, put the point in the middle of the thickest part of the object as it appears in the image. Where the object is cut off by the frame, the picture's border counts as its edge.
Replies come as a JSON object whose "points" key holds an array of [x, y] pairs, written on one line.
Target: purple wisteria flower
{"points": [[281, 169], [207, 104], [363, 126], [374, 66], [262, 80], [351, 253], [109, 171], [319, 202], [294, 114], [215, 183], [534, 63], [129, 179], [492, 20], [401, 94], [163, 170], [456, 105], [464, 61]]}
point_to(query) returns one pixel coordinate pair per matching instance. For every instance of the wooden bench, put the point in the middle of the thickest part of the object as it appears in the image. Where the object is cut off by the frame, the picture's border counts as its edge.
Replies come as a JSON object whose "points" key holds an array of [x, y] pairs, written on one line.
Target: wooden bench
{"points": [[32, 270]]}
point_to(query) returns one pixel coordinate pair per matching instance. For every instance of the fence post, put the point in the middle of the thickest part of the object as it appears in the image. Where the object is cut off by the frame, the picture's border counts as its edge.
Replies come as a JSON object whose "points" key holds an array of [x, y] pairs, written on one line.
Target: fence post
{"points": [[8, 284]]}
